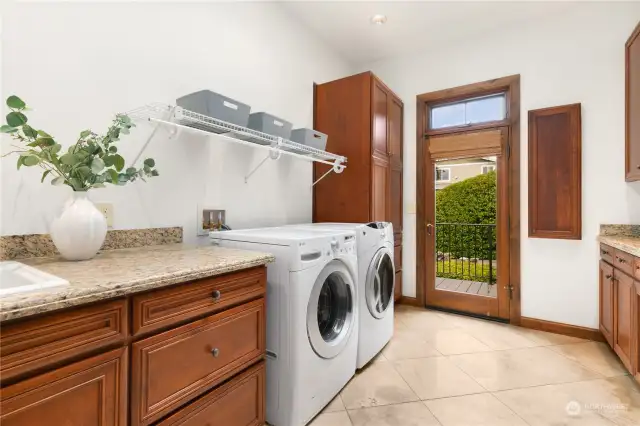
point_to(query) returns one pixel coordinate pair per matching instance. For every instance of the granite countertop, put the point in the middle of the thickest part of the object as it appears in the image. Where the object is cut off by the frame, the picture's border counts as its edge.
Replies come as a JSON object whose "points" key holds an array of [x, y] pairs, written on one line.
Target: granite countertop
{"points": [[117, 273], [625, 243]]}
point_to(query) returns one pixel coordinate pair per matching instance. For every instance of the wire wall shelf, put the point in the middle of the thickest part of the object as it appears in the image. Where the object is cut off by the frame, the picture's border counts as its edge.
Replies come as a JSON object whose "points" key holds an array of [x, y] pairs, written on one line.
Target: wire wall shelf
{"points": [[179, 118]]}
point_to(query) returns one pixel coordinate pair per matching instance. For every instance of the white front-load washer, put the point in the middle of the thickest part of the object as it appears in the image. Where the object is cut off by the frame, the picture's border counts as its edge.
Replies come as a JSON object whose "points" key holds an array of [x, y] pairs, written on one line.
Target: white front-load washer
{"points": [[312, 316], [376, 274]]}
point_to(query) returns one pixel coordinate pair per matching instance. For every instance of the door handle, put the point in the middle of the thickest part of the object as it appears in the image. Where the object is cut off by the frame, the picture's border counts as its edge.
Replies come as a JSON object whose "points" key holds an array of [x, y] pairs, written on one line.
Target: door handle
{"points": [[429, 229]]}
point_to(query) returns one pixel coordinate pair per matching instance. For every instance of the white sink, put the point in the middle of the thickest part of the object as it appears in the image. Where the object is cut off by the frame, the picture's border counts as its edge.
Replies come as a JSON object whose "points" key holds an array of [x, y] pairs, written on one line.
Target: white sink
{"points": [[16, 277]]}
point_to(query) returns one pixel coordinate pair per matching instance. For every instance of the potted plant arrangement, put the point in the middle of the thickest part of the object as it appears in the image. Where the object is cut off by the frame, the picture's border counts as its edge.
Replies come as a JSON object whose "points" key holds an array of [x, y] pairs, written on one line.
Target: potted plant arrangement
{"points": [[91, 162]]}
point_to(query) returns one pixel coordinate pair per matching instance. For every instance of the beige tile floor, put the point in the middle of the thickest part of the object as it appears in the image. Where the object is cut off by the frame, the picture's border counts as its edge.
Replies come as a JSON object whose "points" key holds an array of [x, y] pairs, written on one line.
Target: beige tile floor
{"points": [[442, 369]]}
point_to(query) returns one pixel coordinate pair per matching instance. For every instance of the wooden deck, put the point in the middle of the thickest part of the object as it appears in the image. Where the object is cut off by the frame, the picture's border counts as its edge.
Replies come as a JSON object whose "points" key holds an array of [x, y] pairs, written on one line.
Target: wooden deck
{"points": [[469, 287]]}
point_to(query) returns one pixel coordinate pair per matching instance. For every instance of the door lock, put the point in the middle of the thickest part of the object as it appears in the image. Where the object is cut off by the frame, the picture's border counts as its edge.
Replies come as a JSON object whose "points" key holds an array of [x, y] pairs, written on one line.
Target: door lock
{"points": [[429, 229]]}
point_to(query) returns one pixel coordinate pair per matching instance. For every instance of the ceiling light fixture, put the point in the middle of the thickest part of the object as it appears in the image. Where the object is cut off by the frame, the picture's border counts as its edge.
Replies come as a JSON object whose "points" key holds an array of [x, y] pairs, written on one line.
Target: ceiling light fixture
{"points": [[378, 19]]}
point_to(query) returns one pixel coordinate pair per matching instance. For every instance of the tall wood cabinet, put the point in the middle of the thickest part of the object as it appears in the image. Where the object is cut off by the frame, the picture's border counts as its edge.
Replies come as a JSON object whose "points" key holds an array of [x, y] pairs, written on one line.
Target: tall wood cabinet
{"points": [[632, 110], [363, 119]]}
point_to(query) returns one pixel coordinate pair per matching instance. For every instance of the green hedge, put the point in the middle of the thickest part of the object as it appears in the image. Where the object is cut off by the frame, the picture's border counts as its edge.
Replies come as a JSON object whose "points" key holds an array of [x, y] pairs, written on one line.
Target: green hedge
{"points": [[471, 201], [469, 271]]}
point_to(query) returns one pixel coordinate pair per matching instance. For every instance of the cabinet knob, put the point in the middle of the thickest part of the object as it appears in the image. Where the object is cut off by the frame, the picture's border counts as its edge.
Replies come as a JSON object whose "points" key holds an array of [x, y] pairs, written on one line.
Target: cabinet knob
{"points": [[638, 166], [608, 276], [621, 260], [216, 295], [605, 252], [215, 352]]}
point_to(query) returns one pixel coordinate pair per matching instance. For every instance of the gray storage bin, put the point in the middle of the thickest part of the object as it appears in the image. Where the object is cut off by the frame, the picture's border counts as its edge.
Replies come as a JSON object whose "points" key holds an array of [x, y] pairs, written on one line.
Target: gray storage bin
{"points": [[215, 105], [270, 124], [310, 137]]}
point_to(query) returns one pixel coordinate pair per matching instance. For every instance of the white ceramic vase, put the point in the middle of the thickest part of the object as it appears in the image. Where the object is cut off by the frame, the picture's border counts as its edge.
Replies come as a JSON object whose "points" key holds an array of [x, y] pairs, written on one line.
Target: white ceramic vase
{"points": [[79, 230]]}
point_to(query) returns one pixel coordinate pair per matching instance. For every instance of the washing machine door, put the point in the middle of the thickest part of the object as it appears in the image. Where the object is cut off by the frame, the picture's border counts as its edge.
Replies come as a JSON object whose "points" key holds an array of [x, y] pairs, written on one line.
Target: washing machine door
{"points": [[380, 281], [331, 310]]}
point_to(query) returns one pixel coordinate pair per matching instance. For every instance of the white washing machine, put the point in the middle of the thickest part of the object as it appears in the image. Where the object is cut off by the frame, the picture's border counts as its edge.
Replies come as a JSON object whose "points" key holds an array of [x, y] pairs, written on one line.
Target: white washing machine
{"points": [[376, 274], [312, 316]]}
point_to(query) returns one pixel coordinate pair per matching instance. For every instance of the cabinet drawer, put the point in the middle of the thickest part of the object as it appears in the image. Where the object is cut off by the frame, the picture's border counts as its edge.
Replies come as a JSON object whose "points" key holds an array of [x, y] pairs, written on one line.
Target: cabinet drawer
{"points": [[170, 306], [172, 368], [237, 403], [607, 253], [32, 345], [624, 262], [636, 269], [89, 392]]}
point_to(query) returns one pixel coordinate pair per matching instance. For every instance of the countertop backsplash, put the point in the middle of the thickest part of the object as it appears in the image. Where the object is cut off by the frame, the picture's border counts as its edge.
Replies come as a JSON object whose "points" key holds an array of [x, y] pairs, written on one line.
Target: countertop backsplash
{"points": [[40, 245]]}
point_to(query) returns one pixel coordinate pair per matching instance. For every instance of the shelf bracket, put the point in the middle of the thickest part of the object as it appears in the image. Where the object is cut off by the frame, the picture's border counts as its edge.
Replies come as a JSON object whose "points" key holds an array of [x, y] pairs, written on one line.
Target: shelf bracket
{"points": [[337, 168], [274, 154], [172, 133]]}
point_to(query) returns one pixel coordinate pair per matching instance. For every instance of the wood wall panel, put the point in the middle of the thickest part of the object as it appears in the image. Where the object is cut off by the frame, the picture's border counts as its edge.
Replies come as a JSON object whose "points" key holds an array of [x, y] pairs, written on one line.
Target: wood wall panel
{"points": [[632, 110], [555, 173]]}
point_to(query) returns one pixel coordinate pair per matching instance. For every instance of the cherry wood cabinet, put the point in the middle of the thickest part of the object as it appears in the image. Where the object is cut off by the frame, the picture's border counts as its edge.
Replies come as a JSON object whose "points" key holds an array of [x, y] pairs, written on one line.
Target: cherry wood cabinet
{"points": [[632, 106], [606, 301], [363, 119], [193, 355], [619, 305]]}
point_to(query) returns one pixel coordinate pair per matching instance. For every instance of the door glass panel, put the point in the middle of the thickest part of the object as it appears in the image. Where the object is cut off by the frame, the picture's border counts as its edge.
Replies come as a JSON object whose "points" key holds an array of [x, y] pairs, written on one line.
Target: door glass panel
{"points": [[465, 228], [469, 111], [334, 305]]}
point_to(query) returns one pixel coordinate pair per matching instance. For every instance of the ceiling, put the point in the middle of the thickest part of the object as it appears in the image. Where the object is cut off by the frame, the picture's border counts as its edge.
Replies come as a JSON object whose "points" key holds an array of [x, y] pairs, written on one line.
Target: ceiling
{"points": [[412, 25]]}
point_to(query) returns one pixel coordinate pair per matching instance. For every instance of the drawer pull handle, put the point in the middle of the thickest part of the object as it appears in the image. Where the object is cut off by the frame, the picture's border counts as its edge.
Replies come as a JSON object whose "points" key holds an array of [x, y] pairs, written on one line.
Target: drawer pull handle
{"points": [[216, 295], [605, 252], [608, 276], [621, 260], [215, 352]]}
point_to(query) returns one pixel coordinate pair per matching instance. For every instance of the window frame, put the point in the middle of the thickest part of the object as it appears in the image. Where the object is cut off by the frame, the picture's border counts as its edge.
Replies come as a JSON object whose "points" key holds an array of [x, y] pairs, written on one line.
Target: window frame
{"points": [[448, 169], [464, 101]]}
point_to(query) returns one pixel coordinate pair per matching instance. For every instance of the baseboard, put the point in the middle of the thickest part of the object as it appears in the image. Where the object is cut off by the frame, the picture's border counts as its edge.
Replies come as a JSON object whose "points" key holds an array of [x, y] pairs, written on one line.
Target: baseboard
{"points": [[560, 328], [408, 300]]}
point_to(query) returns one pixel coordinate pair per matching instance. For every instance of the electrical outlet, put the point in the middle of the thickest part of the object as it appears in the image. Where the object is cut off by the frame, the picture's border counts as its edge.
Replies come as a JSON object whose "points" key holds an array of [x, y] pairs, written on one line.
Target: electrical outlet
{"points": [[107, 210]]}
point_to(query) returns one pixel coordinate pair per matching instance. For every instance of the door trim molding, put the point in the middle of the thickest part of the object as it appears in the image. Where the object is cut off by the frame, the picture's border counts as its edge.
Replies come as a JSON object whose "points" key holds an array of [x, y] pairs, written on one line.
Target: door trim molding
{"points": [[562, 328], [511, 85]]}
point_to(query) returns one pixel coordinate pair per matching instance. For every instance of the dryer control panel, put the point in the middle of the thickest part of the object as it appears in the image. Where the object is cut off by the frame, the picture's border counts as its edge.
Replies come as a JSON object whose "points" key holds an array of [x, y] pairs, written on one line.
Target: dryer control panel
{"points": [[344, 244]]}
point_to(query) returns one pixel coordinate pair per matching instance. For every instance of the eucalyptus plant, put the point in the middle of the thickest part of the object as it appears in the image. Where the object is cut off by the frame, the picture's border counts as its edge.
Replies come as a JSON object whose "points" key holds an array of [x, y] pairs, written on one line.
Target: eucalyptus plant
{"points": [[90, 162]]}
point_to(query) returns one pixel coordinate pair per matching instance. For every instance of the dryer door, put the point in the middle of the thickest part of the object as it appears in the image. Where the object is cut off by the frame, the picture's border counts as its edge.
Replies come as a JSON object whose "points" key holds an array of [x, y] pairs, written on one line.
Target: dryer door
{"points": [[380, 281], [331, 309]]}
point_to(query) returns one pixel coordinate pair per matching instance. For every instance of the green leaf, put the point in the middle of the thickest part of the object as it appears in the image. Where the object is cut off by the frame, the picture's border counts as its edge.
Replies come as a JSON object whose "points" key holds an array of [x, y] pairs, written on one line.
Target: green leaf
{"points": [[20, 159], [55, 148], [131, 171], [57, 181], [109, 160], [44, 175], [16, 119], [97, 165], [31, 160], [113, 149], [84, 134], [154, 173], [114, 176], [76, 183], [7, 129], [29, 131], [149, 162], [46, 141], [68, 159], [98, 185], [83, 171], [15, 102], [118, 162], [43, 133], [122, 178]]}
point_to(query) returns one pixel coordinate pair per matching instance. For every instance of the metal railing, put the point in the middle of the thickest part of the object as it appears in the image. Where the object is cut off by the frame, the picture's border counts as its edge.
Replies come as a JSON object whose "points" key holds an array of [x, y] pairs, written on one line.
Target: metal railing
{"points": [[466, 251]]}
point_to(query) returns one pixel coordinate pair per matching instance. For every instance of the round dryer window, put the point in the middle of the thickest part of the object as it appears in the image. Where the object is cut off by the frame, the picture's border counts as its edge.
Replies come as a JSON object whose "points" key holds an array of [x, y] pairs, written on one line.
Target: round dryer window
{"points": [[380, 281], [330, 310]]}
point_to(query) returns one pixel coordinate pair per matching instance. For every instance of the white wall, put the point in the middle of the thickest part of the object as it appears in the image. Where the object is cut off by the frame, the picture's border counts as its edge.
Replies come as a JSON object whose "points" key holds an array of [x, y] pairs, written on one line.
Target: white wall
{"points": [[577, 57], [78, 64]]}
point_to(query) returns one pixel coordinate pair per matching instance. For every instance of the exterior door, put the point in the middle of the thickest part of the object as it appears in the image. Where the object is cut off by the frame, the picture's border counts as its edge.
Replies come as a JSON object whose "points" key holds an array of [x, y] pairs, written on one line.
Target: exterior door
{"points": [[331, 310], [467, 252], [624, 294], [606, 301], [379, 189]]}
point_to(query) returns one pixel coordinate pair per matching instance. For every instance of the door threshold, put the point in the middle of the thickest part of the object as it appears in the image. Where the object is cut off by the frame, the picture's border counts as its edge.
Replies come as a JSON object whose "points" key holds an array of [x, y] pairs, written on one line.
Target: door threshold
{"points": [[467, 314]]}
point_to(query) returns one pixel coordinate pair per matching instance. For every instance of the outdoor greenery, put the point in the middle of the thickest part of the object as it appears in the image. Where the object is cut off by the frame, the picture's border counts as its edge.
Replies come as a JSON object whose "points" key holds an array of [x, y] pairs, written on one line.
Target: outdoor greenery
{"points": [[90, 162], [471, 201], [465, 270]]}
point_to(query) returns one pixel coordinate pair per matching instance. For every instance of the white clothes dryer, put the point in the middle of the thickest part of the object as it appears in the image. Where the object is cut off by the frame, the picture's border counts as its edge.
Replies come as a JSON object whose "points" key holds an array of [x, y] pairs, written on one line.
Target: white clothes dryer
{"points": [[376, 274], [312, 316]]}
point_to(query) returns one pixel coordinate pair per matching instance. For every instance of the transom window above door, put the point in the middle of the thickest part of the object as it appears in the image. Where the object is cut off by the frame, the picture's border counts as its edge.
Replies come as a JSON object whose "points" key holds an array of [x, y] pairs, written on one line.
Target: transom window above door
{"points": [[468, 112]]}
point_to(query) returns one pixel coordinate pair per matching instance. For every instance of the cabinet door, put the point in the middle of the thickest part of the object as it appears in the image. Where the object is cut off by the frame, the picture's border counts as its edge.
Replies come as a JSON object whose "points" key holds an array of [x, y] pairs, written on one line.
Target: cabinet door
{"points": [[380, 189], [606, 301], [632, 111], [89, 392], [380, 133], [624, 295], [395, 160], [636, 333]]}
